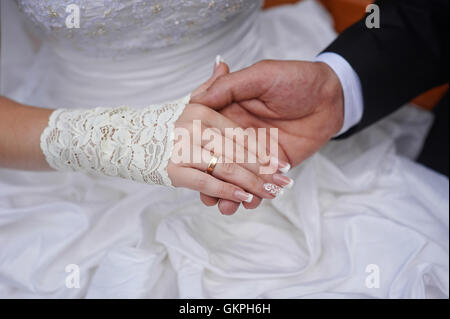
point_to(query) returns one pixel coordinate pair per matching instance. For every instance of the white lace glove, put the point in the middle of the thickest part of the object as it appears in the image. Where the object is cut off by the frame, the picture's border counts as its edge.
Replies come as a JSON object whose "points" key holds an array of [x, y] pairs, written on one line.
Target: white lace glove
{"points": [[123, 142]]}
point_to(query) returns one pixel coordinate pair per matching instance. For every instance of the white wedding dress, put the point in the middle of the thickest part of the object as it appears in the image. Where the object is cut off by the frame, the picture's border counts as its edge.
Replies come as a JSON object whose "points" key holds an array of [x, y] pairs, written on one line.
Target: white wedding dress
{"points": [[363, 220]]}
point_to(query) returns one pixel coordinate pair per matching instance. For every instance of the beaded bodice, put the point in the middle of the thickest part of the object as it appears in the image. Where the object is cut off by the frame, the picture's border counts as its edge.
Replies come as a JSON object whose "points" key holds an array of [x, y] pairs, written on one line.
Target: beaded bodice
{"points": [[122, 27]]}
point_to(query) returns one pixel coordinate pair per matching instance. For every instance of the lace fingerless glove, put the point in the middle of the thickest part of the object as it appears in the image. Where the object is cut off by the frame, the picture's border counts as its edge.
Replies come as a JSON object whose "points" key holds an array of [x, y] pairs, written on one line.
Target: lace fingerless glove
{"points": [[134, 144]]}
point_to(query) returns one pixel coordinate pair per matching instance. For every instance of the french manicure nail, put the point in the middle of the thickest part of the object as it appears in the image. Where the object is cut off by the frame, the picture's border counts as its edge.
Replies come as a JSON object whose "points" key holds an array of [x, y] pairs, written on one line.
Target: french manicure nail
{"points": [[243, 196], [218, 60], [283, 181], [273, 189], [284, 167]]}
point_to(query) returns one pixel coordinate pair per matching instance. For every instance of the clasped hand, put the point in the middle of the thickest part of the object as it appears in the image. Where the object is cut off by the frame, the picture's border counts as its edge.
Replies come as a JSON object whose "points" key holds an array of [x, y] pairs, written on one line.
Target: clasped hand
{"points": [[249, 166], [303, 100]]}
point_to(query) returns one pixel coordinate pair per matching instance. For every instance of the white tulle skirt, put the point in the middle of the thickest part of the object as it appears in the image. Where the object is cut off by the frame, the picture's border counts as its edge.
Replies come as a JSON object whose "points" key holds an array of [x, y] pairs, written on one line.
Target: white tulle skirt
{"points": [[363, 220]]}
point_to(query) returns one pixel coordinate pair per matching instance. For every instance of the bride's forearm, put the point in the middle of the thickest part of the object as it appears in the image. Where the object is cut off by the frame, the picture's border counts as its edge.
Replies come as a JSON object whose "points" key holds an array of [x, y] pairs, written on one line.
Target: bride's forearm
{"points": [[122, 142], [21, 127]]}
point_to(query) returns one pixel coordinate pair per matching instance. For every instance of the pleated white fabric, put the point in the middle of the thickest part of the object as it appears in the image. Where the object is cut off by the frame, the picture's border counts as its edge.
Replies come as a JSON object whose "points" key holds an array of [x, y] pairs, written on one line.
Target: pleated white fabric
{"points": [[358, 205]]}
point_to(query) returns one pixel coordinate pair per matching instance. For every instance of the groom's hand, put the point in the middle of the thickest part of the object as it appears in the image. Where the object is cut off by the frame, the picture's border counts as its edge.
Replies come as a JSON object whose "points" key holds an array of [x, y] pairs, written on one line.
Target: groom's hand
{"points": [[303, 99]]}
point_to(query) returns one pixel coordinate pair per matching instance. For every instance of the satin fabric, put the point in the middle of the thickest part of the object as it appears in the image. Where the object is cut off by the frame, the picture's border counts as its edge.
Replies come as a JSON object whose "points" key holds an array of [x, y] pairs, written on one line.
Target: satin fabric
{"points": [[357, 203]]}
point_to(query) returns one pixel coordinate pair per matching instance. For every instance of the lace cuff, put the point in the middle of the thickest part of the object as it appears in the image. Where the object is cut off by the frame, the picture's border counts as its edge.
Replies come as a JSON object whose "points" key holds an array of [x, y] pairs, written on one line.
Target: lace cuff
{"points": [[123, 142]]}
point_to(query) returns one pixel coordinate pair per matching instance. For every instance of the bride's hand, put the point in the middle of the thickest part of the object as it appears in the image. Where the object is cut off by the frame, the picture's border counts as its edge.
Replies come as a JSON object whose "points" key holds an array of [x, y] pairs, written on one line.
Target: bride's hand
{"points": [[229, 180], [232, 182]]}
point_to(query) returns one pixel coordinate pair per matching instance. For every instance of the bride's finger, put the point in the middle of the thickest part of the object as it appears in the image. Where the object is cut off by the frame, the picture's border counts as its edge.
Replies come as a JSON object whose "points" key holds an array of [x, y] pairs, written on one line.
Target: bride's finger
{"points": [[228, 127], [220, 69], [253, 166], [207, 184], [236, 174], [229, 207]]}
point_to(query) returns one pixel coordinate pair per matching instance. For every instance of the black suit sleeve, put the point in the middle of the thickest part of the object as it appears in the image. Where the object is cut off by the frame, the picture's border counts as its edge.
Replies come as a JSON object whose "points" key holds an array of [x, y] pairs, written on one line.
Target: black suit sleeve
{"points": [[405, 57]]}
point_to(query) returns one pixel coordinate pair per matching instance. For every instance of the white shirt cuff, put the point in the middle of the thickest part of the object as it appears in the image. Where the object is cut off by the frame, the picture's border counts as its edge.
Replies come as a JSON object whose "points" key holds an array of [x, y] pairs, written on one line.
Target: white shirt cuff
{"points": [[351, 85]]}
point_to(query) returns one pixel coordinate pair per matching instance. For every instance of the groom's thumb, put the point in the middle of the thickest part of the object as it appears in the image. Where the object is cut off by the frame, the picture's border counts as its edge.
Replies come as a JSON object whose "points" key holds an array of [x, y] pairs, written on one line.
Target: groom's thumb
{"points": [[220, 69], [230, 88]]}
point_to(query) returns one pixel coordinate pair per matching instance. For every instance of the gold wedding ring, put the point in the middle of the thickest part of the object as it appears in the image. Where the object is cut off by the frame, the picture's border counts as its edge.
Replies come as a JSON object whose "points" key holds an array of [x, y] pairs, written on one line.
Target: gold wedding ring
{"points": [[212, 165]]}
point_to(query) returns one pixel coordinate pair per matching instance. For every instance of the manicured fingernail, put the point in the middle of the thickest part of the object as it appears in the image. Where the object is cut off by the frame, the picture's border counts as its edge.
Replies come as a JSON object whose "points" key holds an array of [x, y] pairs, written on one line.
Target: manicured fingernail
{"points": [[219, 60], [283, 181], [273, 189], [243, 196], [284, 167], [217, 63]]}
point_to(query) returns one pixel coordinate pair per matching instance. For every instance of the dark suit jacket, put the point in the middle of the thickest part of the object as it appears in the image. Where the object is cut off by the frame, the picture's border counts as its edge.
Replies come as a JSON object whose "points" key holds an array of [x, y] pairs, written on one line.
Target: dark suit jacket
{"points": [[407, 56]]}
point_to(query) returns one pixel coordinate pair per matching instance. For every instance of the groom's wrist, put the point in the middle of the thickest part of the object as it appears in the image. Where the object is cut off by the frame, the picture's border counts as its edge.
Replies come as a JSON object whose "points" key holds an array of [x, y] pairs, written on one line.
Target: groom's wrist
{"points": [[351, 87]]}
